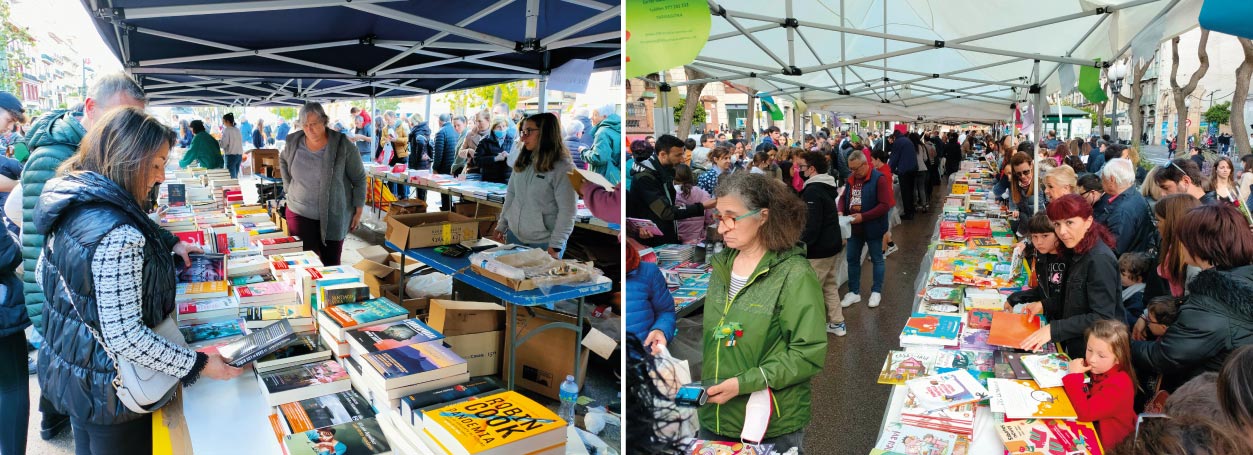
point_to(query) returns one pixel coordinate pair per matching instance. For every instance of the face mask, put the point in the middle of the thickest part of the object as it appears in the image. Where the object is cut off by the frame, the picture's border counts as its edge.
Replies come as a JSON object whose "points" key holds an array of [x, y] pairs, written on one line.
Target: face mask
{"points": [[500, 135]]}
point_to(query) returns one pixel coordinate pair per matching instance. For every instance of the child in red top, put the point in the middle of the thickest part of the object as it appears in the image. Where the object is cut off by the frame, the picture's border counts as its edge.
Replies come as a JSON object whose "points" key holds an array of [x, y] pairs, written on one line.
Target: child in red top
{"points": [[1109, 400]]}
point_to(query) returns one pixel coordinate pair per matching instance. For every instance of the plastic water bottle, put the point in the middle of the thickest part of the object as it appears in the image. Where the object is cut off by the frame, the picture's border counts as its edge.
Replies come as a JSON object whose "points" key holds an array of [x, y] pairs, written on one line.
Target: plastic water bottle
{"points": [[569, 395]]}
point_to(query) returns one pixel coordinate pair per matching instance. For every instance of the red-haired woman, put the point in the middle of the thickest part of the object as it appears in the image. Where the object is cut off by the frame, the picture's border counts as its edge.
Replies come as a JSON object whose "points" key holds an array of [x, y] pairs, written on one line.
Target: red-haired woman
{"points": [[1217, 316], [1091, 291]]}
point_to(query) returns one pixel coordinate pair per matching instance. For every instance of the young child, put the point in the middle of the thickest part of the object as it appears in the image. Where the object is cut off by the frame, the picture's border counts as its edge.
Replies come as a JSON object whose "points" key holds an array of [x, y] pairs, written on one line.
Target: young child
{"points": [[761, 162], [1163, 310], [1133, 267], [691, 230], [1109, 401], [1048, 264]]}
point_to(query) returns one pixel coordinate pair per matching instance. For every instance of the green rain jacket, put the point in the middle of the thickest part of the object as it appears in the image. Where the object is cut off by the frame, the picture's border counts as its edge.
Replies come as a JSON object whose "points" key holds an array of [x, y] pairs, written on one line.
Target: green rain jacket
{"points": [[205, 150], [784, 341]]}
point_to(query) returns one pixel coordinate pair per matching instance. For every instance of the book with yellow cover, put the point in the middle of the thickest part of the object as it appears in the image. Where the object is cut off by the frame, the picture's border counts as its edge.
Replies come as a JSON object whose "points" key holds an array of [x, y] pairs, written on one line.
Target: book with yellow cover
{"points": [[1019, 399], [499, 424], [201, 290]]}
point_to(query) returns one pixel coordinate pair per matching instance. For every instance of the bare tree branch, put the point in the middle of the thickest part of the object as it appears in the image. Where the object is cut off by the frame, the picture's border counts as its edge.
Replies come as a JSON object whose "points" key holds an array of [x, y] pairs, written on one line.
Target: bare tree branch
{"points": [[1238, 123]]}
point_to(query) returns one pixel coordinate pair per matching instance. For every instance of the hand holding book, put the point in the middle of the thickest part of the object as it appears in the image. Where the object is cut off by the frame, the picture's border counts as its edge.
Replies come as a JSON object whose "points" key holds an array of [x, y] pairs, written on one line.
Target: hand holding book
{"points": [[216, 368]]}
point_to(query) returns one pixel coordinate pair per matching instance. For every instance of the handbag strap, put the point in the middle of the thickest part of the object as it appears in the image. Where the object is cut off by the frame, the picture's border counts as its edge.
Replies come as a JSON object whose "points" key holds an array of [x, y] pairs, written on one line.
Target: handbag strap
{"points": [[117, 378]]}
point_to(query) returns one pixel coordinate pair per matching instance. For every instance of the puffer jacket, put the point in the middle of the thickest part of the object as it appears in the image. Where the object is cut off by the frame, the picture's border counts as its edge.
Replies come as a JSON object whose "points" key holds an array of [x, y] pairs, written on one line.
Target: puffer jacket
{"points": [[13, 318], [606, 152], [1216, 319], [419, 146], [822, 224], [77, 212], [1092, 293], [649, 305], [445, 149], [485, 160], [783, 341], [904, 157], [52, 139]]}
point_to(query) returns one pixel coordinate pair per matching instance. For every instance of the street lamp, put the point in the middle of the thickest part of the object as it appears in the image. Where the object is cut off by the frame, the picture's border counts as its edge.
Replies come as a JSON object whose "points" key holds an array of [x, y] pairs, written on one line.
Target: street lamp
{"points": [[1117, 72]]}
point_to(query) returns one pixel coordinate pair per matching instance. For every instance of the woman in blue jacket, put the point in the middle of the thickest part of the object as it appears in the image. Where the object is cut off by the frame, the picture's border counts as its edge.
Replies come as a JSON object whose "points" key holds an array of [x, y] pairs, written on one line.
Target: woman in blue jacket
{"points": [[649, 305]]}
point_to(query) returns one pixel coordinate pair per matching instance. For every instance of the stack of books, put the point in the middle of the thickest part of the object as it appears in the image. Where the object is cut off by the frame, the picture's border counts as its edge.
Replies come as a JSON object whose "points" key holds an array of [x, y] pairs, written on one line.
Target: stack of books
{"points": [[457, 428], [283, 264], [674, 253], [205, 278], [204, 310], [279, 245], [310, 281], [413, 407], [303, 381], [386, 376], [923, 329], [263, 303], [335, 322]]}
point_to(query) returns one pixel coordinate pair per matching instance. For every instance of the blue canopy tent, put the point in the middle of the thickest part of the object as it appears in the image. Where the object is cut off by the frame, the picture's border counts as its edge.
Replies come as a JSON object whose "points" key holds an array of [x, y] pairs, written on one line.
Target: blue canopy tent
{"points": [[283, 52]]}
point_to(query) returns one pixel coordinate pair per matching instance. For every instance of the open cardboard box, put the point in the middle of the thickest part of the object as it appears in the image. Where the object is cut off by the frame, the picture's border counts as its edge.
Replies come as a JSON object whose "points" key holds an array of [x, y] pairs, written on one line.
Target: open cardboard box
{"points": [[544, 361], [481, 351], [486, 214], [421, 230], [407, 206], [381, 269]]}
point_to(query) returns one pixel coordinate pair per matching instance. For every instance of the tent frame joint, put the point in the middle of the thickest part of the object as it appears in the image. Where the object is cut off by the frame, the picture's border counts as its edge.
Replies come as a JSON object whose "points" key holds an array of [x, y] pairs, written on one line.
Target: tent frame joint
{"points": [[531, 45], [1035, 89], [939, 44], [791, 22], [792, 71], [720, 11], [367, 40], [665, 87]]}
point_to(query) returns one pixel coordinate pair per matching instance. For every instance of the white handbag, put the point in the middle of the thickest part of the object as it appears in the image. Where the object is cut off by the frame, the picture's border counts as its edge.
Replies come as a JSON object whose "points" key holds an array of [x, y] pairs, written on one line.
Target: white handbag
{"points": [[139, 388]]}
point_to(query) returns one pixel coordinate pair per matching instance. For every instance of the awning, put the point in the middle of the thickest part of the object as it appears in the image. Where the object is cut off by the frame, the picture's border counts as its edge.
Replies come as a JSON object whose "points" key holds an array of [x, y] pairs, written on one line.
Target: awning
{"points": [[285, 51], [945, 59]]}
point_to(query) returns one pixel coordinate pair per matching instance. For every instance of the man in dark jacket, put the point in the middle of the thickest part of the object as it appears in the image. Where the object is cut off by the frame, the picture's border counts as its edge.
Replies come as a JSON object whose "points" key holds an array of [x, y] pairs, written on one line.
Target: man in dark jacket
{"points": [[444, 154], [866, 200], [1182, 175], [821, 235], [652, 193], [904, 162], [1126, 213], [420, 150], [1096, 158], [53, 139]]}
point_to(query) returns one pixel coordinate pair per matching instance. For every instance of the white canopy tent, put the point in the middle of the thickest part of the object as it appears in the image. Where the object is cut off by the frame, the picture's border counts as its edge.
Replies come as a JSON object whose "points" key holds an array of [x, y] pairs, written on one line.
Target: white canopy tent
{"points": [[941, 60]]}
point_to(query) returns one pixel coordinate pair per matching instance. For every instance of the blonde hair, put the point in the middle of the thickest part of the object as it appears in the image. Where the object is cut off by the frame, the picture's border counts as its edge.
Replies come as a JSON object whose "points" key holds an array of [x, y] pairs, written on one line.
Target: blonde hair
{"points": [[498, 120], [1117, 335], [1063, 175]]}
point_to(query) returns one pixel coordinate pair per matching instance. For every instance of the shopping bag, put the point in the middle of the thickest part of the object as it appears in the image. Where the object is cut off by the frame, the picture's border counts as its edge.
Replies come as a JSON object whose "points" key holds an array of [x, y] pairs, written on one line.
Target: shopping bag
{"points": [[169, 429], [680, 423]]}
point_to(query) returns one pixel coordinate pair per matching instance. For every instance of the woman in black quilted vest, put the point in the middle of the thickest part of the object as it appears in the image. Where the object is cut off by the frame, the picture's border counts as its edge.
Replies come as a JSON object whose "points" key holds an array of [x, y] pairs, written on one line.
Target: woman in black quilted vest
{"points": [[108, 272]]}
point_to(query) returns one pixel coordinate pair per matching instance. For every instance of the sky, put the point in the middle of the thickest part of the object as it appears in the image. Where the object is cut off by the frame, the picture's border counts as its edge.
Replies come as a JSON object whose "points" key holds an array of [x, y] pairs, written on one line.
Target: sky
{"points": [[70, 21]]}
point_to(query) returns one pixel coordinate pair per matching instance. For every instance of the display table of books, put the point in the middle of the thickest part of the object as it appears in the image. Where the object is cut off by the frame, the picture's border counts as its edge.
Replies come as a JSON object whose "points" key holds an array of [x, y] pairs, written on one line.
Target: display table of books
{"points": [[330, 365], [958, 380], [479, 192], [460, 269]]}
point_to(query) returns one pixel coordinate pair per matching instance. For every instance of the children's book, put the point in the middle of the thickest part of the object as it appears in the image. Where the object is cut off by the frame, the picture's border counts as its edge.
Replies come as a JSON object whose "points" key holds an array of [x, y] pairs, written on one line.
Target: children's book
{"points": [[1010, 329], [930, 329], [901, 366], [1025, 400], [975, 340], [979, 319], [1049, 436], [904, 439], [947, 390], [703, 447], [1047, 369]]}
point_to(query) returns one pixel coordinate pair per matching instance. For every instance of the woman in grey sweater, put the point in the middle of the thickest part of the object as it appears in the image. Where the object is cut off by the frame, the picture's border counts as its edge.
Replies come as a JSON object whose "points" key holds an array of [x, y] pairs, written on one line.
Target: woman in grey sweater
{"points": [[540, 203], [325, 183]]}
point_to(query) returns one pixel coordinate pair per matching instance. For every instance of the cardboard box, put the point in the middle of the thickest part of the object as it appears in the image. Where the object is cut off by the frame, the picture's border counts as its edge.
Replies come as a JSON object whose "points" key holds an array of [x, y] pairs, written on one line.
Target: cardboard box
{"points": [[381, 269], [545, 360], [418, 308], [407, 206], [453, 317], [265, 158], [517, 285], [421, 230], [481, 351], [486, 214]]}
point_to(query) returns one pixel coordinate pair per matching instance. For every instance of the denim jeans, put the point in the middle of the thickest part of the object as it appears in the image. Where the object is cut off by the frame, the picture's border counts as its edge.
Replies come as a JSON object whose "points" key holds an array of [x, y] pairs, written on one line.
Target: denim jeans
{"points": [[232, 164], [855, 244], [123, 438]]}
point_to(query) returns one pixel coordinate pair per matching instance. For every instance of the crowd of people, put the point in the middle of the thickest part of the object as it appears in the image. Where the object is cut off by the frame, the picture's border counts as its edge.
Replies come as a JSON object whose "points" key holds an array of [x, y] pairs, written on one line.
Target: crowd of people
{"points": [[83, 261], [1145, 273]]}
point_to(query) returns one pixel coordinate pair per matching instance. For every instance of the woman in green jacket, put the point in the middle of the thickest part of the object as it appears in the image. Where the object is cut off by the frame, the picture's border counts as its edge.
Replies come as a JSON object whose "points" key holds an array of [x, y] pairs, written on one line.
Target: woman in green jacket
{"points": [[204, 149], [764, 314]]}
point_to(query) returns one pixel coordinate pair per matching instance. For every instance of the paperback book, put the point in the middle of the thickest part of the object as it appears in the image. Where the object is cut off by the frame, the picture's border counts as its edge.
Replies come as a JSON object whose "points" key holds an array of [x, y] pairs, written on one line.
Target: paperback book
{"points": [[212, 332], [391, 335], [930, 329], [530, 427], [325, 411], [205, 267], [947, 389], [703, 447], [257, 344], [303, 348], [1050, 436], [901, 366], [476, 386], [413, 364], [301, 382], [352, 438], [1025, 400], [904, 439], [351, 316]]}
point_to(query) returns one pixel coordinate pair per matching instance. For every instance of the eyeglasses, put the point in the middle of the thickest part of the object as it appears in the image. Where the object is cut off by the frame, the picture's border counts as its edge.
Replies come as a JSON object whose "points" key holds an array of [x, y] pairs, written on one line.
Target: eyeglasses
{"points": [[730, 221], [529, 131], [1022, 173]]}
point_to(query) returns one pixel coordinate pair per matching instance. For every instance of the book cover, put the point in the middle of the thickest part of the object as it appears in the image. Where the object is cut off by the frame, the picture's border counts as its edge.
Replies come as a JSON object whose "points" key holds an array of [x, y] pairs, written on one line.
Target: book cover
{"points": [[352, 438], [359, 313], [979, 319], [275, 312], [194, 236], [326, 410], [944, 294], [213, 330], [703, 447], [250, 279], [413, 359], [392, 335], [1019, 399], [905, 439], [947, 389], [1010, 329], [901, 366], [298, 376], [931, 329], [463, 425], [256, 344], [262, 290], [1047, 369], [1049, 436], [337, 294], [201, 290], [220, 304], [975, 340], [980, 361], [477, 385], [301, 344], [205, 267], [1013, 360], [176, 194]]}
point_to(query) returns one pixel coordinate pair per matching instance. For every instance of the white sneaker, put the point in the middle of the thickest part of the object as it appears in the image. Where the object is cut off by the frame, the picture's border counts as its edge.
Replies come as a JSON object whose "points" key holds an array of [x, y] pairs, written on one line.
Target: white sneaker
{"points": [[892, 248], [838, 330], [849, 300], [874, 299]]}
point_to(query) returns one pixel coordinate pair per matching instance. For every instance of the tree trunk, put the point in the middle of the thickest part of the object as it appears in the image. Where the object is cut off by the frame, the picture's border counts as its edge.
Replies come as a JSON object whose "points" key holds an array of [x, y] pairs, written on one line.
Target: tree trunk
{"points": [[1133, 103], [690, 103], [1181, 93], [1238, 122]]}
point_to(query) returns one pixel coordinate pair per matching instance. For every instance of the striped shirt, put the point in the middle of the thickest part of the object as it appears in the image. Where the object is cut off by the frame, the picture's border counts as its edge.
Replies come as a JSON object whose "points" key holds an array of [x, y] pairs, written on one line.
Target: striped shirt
{"points": [[737, 283]]}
